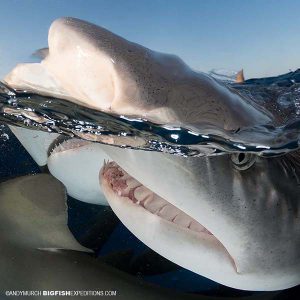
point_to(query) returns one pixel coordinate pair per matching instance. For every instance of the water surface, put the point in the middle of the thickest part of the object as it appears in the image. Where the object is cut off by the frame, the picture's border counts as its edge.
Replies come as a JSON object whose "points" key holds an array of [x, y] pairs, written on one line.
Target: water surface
{"points": [[278, 96]]}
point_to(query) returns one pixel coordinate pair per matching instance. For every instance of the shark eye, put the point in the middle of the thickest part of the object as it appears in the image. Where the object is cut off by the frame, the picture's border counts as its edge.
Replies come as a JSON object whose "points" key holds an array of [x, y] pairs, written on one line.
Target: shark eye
{"points": [[243, 161]]}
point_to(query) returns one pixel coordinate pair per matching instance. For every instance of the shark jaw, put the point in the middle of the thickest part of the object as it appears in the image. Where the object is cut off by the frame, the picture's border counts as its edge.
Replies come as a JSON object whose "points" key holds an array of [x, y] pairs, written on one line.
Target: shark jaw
{"points": [[168, 230], [176, 235]]}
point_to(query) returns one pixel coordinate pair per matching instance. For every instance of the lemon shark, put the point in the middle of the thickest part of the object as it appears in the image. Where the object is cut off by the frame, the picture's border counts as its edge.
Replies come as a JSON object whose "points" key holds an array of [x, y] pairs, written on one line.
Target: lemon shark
{"points": [[39, 253], [233, 218]]}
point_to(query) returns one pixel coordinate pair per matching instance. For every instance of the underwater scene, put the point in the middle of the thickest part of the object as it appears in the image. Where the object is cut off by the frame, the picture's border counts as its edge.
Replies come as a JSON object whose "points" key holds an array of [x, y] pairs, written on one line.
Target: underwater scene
{"points": [[126, 172]]}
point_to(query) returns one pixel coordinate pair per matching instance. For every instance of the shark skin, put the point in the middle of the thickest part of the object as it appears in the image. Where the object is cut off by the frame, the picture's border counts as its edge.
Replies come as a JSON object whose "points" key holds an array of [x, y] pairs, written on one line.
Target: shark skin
{"points": [[76, 163], [89, 65], [38, 252], [236, 217], [35, 142], [36, 241], [249, 233]]}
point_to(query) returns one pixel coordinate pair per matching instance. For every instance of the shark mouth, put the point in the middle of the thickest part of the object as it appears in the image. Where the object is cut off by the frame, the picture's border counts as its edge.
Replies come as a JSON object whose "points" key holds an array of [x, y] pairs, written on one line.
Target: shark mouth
{"points": [[162, 225], [129, 189]]}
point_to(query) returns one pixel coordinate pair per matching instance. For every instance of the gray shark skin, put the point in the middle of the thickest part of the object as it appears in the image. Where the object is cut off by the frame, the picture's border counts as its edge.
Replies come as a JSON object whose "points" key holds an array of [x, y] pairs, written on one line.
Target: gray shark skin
{"points": [[38, 252], [232, 218], [254, 213]]}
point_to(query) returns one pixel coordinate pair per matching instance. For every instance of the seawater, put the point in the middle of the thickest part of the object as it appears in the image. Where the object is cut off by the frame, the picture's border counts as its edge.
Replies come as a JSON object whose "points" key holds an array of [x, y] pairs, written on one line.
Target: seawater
{"points": [[278, 96]]}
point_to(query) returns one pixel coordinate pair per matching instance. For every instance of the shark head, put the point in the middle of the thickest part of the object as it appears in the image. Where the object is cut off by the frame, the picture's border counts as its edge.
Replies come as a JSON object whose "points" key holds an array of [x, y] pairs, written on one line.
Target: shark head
{"points": [[233, 218]]}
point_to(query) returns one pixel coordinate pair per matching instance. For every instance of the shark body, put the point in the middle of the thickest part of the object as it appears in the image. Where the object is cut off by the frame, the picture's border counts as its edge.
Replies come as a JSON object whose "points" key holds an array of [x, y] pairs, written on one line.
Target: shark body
{"points": [[39, 253], [233, 218]]}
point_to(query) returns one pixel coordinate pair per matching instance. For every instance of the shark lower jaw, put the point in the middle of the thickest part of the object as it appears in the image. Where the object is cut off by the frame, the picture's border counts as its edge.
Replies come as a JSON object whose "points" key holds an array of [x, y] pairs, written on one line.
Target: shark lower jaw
{"points": [[165, 228]]}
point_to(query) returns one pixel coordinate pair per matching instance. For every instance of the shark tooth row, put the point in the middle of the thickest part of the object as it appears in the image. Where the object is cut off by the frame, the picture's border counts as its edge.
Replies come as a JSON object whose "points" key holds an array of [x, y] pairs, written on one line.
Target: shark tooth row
{"points": [[126, 186]]}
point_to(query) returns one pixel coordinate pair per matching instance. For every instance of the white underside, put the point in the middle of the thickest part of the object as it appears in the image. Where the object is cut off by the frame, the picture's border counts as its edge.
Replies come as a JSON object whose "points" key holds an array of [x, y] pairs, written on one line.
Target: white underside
{"points": [[78, 169], [35, 142]]}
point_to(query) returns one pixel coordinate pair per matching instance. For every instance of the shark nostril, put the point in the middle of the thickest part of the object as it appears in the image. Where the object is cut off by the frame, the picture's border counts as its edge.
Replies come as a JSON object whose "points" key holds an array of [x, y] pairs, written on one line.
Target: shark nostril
{"points": [[243, 161]]}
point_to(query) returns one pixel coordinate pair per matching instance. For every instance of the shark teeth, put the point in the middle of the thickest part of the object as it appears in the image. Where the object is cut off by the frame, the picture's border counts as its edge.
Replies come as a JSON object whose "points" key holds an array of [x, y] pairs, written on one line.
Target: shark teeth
{"points": [[127, 187], [67, 144]]}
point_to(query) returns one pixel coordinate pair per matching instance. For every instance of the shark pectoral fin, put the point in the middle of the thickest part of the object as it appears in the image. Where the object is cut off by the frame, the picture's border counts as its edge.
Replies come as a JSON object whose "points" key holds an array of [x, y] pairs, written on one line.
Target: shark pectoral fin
{"points": [[76, 164], [34, 209], [35, 142], [34, 77]]}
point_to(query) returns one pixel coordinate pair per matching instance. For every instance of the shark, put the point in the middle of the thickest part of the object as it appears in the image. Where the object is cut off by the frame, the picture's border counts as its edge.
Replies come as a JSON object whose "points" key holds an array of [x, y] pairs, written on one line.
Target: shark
{"points": [[233, 218], [39, 253]]}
